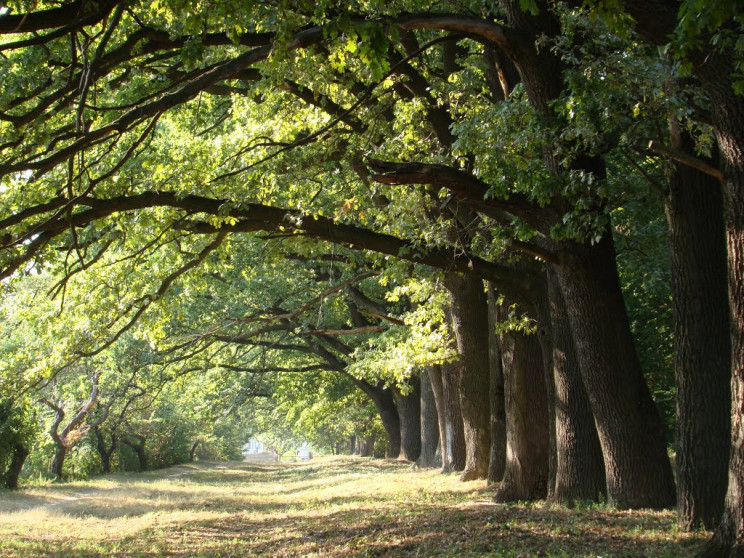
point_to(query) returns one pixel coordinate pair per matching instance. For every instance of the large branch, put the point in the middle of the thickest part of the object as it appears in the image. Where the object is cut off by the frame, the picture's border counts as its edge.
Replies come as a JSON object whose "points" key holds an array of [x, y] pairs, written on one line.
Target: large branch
{"points": [[73, 16], [256, 217], [467, 188], [482, 29]]}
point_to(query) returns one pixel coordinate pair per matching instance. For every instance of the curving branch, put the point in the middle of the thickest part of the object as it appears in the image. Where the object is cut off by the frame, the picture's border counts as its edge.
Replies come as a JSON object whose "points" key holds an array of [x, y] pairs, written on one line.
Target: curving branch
{"points": [[467, 188]]}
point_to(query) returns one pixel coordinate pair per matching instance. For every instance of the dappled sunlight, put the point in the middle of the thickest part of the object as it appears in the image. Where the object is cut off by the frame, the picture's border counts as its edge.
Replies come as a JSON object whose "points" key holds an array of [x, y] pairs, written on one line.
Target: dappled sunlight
{"points": [[330, 507]]}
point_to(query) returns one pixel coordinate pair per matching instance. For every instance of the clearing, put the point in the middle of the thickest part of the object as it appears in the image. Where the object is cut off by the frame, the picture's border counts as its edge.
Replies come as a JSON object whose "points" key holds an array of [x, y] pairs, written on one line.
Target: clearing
{"points": [[330, 506]]}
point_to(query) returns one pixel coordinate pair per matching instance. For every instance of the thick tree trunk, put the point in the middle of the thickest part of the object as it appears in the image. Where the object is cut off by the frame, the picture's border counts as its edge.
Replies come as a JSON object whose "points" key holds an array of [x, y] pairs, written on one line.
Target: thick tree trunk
{"points": [[409, 412], [702, 343], [526, 473], [453, 458], [384, 402], [429, 425], [728, 118], [497, 461], [10, 477], [437, 387], [631, 432], [469, 319], [579, 465], [545, 341]]}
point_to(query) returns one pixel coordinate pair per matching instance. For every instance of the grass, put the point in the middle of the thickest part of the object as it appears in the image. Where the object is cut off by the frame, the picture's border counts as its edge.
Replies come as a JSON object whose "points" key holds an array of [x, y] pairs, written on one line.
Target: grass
{"points": [[326, 507]]}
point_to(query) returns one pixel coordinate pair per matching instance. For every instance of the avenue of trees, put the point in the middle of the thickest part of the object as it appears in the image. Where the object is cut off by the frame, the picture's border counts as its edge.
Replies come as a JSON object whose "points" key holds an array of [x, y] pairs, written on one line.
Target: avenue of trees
{"points": [[504, 238]]}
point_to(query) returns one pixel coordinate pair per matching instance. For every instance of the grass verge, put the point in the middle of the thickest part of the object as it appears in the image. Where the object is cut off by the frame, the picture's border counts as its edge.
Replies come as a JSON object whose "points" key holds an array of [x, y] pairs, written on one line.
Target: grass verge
{"points": [[326, 507]]}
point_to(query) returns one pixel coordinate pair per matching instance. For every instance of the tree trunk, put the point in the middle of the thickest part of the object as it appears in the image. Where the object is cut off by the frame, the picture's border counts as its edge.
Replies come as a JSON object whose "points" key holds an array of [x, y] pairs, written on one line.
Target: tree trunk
{"points": [[579, 466], [192, 451], [631, 432], [368, 446], [437, 387], [545, 342], [497, 461], [429, 425], [10, 477], [105, 453], [409, 411], [469, 318], [382, 397], [526, 472], [728, 118], [58, 463], [453, 458], [702, 342], [139, 449]]}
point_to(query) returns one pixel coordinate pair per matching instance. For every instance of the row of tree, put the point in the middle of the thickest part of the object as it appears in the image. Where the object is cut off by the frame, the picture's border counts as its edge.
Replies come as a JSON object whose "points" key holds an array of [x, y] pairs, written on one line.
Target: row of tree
{"points": [[505, 142]]}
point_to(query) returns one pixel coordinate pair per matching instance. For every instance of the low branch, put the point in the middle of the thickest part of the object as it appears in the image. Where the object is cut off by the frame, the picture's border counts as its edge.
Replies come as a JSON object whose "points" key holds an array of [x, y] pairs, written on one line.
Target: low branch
{"points": [[687, 160], [69, 16], [466, 188]]}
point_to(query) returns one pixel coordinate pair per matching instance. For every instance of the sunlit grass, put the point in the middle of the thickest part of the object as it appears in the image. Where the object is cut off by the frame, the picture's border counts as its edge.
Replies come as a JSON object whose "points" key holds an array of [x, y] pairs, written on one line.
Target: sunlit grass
{"points": [[327, 507]]}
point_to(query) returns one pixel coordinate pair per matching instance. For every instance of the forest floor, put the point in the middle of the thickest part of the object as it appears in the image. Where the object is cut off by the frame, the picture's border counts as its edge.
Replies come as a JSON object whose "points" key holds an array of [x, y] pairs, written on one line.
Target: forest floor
{"points": [[330, 506]]}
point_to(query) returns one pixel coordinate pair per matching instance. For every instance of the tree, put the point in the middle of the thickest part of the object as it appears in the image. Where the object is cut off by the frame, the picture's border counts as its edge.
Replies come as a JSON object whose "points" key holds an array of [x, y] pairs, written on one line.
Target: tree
{"points": [[17, 426], [462, 169]]}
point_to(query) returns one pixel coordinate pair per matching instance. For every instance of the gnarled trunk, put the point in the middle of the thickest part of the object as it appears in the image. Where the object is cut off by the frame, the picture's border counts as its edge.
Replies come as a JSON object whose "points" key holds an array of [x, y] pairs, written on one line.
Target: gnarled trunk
{"points": [[58, 461], [469, 319], [105, 453], [526, 472]]}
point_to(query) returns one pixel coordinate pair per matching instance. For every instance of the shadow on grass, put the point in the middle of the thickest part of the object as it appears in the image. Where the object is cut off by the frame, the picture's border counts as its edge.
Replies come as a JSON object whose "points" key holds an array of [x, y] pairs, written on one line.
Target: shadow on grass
{"points": [[474, 530], [278, 510]]}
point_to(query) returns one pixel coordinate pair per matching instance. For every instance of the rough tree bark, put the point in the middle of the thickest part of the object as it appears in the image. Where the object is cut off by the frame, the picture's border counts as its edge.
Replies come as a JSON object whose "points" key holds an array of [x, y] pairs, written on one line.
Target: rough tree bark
{"points": [[429, 425], [632, 435], [497, 461], [453, 458], [526, 472], [728, 118], [702, 343], [580, 468], [437, 387], [409, 411], [469, 319]]}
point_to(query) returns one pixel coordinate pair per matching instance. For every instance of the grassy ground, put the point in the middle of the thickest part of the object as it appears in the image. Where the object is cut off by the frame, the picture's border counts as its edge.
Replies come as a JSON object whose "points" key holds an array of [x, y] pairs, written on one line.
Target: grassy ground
{"points": [[326, 507]]}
